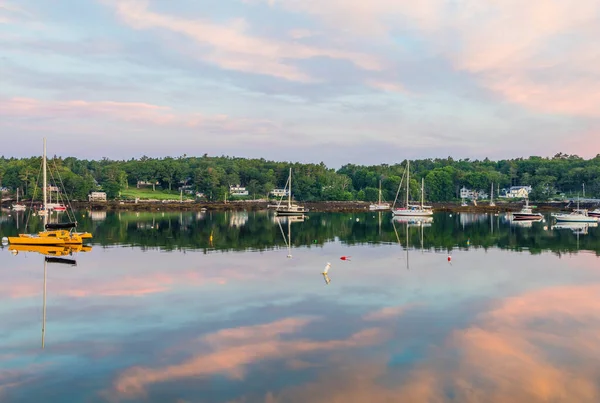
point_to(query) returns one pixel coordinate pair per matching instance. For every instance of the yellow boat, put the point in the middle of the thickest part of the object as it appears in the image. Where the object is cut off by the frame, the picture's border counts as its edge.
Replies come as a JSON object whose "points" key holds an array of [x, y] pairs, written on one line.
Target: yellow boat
{"points": [[53, 234], [50, 250]]}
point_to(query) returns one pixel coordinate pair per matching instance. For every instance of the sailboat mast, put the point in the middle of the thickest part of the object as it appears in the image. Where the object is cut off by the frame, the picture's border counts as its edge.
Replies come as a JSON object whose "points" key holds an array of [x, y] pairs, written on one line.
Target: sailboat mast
{"points": [[45, 184], [407, 180], [290, 190], [422, 192]]}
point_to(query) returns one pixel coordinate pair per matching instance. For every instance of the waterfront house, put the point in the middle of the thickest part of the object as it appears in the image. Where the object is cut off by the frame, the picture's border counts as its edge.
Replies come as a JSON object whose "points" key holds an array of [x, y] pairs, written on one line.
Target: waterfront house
{"points": [[97, 197], [238, 191]]}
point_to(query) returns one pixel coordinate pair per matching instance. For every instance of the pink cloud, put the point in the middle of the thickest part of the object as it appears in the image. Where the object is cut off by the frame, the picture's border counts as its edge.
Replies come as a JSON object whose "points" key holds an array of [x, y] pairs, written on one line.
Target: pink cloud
{"points": [[232, 47], [512, 48], [86, 114], [234, 349]]}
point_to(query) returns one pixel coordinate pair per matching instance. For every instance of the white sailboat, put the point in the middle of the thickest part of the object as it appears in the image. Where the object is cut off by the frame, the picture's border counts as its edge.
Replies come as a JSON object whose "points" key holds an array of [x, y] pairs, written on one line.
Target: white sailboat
{"points": [[290, 208], [17, 206], [380, 205], [413, 210], [526, 214], [577, 215]]}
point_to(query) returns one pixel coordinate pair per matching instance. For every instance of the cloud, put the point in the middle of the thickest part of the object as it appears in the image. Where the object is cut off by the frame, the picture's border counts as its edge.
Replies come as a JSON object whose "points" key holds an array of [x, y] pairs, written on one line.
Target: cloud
{"points": [[537, 54], [232, 47], [232, 350]]}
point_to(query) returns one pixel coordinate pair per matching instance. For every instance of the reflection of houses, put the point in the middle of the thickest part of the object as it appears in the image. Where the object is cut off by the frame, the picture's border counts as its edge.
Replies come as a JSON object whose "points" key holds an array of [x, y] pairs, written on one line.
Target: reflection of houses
{"points": [[279, 192], [238, 218], [98, 215], [471, 218], [238, 190], [97, 197], [516, 192]]}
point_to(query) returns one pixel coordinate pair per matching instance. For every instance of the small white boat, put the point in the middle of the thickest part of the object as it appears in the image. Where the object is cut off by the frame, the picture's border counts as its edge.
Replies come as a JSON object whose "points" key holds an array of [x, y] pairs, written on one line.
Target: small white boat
{"points": [[290, 208], [577, 215], [594, 213], [18, 206], [413, 210], [380, 206]]}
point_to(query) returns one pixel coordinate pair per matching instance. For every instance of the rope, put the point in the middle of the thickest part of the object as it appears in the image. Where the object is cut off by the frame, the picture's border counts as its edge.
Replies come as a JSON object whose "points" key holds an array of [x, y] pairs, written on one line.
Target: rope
{"points": [[399, 187], [33, 198], [66, 196]]}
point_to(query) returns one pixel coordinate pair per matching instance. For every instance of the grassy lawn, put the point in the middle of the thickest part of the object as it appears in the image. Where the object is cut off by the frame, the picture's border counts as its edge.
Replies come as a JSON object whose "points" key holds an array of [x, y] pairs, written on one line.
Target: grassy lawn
{"points": [[147, 193]]}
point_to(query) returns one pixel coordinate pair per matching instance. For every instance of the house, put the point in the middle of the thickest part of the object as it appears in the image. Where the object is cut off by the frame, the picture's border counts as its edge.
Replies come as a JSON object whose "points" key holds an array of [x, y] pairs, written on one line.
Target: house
{"points": [[280, 192], [97, 197], [518, 192], [237, 191], [473, 194]]}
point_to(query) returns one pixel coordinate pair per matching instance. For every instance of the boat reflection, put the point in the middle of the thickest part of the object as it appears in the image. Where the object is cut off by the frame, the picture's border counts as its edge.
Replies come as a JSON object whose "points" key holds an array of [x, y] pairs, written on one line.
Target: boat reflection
{"points": [[414, 221], [326, 278], [578, 228], [55, 250], [289, 219]]}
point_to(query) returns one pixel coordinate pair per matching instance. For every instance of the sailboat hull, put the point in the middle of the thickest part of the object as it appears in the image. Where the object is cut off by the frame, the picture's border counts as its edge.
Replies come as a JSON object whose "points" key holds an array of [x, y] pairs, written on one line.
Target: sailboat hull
{"points": [[291, 212], [412, 213], [25, 239]]}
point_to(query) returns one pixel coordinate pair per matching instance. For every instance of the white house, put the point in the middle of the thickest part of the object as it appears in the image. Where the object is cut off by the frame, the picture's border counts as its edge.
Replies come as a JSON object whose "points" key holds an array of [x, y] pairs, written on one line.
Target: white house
{"points": [[238, 190], [473, 194], [518, 192], [97, 197], [280, 192]]}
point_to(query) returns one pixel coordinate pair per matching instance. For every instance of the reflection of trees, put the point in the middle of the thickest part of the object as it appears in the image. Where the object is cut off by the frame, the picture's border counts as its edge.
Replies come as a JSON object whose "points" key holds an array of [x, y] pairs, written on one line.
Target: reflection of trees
{"points": [[172, 231]]}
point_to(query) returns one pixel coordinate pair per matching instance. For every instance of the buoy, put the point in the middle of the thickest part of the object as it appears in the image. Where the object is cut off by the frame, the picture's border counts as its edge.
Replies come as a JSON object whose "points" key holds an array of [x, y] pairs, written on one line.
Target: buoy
{"points": [[345, 257], [4, 240], [449, 258], [357, 220]]}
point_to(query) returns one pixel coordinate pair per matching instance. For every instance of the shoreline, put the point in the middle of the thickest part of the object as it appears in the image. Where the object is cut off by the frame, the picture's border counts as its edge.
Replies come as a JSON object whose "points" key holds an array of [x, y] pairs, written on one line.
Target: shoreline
{"points": [[314, 207]]}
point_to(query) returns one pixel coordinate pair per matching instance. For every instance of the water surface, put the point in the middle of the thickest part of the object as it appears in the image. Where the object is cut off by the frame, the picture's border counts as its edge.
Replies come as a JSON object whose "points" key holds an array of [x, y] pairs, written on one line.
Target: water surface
{"points": [[232, 307]]}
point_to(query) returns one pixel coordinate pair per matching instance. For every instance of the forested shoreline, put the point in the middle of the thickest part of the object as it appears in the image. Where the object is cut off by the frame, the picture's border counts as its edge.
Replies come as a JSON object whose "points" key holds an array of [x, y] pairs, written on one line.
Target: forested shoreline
{"points": [[212, 177]]}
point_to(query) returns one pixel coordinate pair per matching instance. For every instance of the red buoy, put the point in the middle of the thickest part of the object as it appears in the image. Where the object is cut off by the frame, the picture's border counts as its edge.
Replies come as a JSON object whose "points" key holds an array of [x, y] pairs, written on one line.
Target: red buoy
{"points": [[345, 257], [449, 258]]}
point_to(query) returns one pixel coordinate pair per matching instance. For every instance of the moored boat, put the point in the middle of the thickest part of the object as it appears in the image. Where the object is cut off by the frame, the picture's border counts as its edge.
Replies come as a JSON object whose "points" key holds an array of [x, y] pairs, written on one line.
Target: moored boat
{"points": [[413, 210], [53, 233], [526, 214], [290, 208]]}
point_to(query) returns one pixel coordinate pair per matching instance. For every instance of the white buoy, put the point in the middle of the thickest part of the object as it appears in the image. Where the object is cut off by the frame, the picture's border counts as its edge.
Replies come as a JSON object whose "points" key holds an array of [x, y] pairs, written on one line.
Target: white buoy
{"points": [[4, 241], [327, 268]]}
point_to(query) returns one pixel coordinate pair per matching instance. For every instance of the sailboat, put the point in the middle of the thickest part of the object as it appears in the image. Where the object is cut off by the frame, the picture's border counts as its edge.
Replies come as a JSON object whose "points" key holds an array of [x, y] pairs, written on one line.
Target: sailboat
{"points": [[17, 206], [380, 205], [594, 213], [412, 210], [289, 208], [54, 233]]}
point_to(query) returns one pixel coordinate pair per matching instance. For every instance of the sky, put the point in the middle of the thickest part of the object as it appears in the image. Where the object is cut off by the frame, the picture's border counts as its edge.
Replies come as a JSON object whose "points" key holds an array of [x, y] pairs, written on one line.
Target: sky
{"points": [[338, 81]]}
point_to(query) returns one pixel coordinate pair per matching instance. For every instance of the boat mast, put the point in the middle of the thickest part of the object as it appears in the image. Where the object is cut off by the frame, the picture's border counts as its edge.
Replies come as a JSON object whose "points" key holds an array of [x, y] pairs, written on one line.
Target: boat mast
{"points": [[407, 180], [45, 191], [422, 192], [492, 204], [290, 190]]}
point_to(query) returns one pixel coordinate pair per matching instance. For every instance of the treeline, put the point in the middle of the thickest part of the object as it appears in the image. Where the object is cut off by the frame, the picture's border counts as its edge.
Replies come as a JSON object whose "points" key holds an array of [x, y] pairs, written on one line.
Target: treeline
{"points": [[212, 176]]}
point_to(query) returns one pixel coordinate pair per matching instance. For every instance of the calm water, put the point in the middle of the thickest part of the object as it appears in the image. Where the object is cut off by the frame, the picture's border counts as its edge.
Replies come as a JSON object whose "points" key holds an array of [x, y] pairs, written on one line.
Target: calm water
{"points": [[224, 308]]}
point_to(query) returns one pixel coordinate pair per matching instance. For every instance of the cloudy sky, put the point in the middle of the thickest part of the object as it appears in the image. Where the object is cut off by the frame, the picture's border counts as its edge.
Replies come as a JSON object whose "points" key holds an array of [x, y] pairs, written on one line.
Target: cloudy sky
{"points": [[306, 80]]}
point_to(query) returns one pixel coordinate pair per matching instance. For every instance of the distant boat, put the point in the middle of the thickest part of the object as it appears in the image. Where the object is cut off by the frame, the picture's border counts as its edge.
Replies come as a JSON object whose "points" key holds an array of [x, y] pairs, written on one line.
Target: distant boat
{"points": [[526, 214], [594, 213], [290, 208], [577, 215], [18, 206], [412, 210], [380, 205]]}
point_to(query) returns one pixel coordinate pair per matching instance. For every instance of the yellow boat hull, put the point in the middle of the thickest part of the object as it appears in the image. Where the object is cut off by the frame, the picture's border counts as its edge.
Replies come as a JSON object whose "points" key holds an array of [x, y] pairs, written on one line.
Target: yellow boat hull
{"points": [[57, 237]]}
